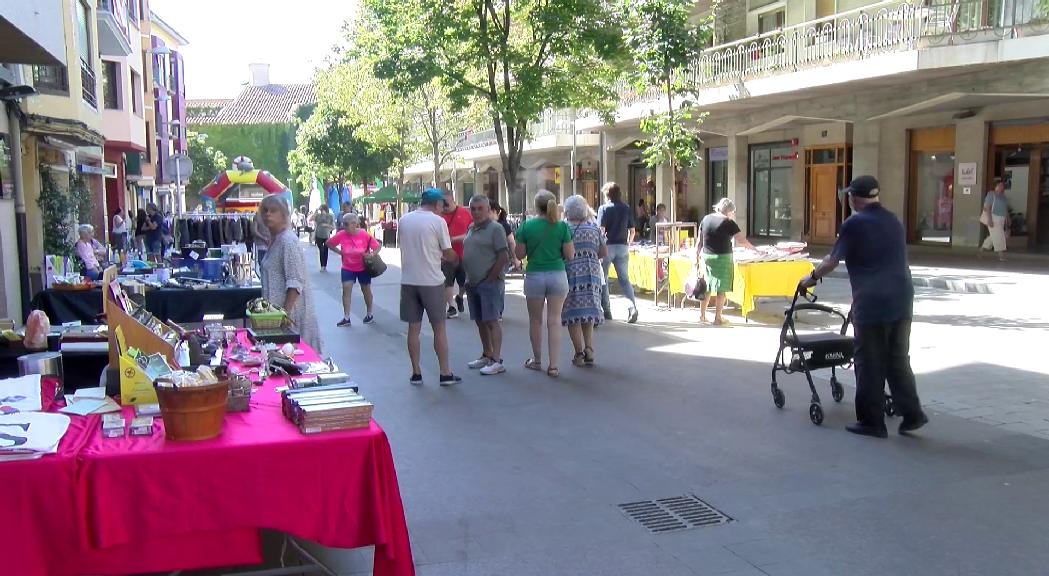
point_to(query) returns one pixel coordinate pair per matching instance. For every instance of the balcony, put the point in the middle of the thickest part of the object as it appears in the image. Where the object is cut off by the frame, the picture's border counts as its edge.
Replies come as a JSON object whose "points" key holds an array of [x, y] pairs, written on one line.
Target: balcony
{"points": [[551, 124], [114, 34], [89, 84], [32, 36]]}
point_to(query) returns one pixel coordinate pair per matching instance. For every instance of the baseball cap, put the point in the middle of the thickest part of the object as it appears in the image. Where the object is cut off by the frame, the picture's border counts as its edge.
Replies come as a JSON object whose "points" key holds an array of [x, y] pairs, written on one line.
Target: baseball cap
{"points": [[431, 196], [863, 187]]}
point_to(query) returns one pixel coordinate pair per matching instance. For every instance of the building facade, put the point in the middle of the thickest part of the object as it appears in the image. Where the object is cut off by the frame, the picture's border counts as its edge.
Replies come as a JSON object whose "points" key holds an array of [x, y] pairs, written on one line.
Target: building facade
{"points": [[169, 126], [935, 98]]}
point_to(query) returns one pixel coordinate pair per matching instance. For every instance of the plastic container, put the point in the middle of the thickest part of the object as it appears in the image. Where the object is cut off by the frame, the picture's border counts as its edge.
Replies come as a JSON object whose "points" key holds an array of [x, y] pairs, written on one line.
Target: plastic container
{"points": [[193, 413]]}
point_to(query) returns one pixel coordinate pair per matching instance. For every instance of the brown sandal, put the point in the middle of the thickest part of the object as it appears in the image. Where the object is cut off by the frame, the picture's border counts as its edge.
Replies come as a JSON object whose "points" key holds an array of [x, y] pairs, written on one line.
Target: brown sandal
{"points": [[579, 359], [533, 364], [553, 372]]}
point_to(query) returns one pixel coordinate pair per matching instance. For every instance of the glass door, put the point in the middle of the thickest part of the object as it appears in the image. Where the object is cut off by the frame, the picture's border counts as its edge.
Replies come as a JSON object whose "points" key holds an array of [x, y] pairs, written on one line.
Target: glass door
{"points": [[771, 174]]}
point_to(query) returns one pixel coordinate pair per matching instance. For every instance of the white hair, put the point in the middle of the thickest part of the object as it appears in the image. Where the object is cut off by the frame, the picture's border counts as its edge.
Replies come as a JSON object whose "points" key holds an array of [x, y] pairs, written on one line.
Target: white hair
{"points": [[577, 209], [85, 229], [725, 206]]}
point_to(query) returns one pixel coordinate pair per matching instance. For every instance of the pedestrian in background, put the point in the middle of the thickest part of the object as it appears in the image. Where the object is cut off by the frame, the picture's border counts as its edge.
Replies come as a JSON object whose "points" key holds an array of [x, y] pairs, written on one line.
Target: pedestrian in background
{"points": [[874, 246], [459, 221], [641, 218], [714, 261], [283, 271], [118, 233], [582, 308], [617, 221], [153, 233], [995, 216], [323, 224], [485, 254], [425, 244], [499, 215], [140, 231], [546, 243], [352, 243]]}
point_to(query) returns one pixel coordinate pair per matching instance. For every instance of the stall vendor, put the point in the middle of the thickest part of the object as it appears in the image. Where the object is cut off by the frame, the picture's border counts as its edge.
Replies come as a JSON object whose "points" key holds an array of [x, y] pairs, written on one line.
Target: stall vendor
{"points": [[90, 251]]}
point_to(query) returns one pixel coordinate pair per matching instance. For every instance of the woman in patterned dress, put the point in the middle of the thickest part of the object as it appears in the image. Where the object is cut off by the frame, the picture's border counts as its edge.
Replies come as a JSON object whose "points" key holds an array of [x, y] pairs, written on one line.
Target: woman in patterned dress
{"points": [[582, 310], [284, 280]]}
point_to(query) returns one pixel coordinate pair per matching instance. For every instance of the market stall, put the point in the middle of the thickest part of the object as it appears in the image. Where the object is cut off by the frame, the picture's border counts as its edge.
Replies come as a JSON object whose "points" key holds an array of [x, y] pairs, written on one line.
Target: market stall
{"points": [[180, 305], [124, 492]]}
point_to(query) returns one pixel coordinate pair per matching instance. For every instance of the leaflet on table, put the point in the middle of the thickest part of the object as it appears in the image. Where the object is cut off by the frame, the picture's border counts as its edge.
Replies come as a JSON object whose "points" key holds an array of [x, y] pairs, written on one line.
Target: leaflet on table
{"points": [[20, 394], [32, 432]]}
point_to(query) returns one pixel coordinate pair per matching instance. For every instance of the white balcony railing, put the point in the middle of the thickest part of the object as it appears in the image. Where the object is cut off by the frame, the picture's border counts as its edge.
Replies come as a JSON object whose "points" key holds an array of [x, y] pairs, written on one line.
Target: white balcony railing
{"points": [[552, 123]]}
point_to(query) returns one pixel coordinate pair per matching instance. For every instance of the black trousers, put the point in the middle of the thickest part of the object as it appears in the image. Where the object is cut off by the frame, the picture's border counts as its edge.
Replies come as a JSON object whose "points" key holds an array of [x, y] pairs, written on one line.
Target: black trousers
{"points": [[322, 246], [883, 353]]}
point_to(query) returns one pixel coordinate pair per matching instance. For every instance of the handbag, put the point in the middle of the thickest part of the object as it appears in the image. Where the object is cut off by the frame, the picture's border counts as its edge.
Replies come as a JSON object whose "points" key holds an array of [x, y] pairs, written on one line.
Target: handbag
{"points": [[374, 265], [985, 218]]}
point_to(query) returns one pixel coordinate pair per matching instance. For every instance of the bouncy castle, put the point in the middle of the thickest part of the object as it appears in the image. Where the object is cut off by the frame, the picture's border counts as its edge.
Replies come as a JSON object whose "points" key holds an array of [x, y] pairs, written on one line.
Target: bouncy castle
{"points": [[242, 188]]}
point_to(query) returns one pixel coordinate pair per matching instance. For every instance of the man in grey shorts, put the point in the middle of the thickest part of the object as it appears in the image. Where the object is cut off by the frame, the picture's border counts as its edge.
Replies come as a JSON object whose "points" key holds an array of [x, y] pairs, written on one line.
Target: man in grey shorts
{"points": [[485, 254], [424, 242]]}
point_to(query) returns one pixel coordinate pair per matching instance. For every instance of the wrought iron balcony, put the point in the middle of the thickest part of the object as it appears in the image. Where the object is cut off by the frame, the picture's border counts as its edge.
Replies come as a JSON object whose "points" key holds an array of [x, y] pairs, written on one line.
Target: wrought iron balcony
{"points": [[552, 123]]}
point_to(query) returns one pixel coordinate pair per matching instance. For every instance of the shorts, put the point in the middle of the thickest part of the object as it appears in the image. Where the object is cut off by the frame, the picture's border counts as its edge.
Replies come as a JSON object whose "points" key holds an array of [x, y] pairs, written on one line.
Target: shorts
{"points": [[486, 301], [546, 284], [417, 299], [362, 277], [453, 273]]}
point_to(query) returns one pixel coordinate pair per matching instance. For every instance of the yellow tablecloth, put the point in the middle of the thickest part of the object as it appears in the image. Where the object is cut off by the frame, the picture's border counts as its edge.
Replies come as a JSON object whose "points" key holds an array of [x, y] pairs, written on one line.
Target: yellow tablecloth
{"points": [[750, 280]]}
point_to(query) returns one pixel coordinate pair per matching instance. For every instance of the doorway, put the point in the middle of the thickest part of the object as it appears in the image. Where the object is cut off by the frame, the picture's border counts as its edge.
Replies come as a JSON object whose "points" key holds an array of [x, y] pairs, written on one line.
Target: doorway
{"points": [[827, 170], [771, 168], [642, 186], [1020, 155], [930, 186]]}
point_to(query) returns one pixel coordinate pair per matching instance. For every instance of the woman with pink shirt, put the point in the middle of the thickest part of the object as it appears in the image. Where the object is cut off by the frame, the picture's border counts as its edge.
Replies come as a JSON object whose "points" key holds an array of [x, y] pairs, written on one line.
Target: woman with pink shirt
{"points": [[90, 251], [352, 243]]}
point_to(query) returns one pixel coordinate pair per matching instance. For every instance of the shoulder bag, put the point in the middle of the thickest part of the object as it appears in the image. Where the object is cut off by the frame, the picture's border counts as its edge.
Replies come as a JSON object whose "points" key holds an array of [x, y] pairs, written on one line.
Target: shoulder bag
{"points": [[373, 263]]}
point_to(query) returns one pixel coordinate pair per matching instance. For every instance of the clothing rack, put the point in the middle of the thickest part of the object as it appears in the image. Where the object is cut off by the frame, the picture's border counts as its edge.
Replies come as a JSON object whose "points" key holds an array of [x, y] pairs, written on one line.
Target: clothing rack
{"points": [[215, 228]]}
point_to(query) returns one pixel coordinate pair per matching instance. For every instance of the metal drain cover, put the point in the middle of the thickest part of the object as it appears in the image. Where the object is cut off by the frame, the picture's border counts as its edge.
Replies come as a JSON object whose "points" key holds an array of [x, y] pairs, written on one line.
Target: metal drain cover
{"points": [[673, 514]]}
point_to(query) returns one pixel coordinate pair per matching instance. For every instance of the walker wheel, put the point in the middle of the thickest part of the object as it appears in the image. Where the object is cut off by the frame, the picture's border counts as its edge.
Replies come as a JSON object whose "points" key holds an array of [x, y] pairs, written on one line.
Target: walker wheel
{"points": [[816, 413], [778, 398], [890, 406], [837, 391]]}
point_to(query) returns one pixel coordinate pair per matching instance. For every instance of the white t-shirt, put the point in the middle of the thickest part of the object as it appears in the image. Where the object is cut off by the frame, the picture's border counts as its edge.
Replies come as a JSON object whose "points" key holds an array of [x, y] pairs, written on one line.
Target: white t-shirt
{"points": [[422, 237]]}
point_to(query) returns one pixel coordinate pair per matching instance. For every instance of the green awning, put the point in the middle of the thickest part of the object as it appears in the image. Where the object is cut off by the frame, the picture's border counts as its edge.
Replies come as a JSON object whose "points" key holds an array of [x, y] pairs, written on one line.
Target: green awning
{"points": [[388, 194]]}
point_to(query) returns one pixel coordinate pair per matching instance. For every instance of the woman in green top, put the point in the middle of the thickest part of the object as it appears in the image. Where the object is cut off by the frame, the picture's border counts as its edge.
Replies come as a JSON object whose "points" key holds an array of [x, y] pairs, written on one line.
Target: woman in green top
{"points": [[323, 224], [546, 242]]}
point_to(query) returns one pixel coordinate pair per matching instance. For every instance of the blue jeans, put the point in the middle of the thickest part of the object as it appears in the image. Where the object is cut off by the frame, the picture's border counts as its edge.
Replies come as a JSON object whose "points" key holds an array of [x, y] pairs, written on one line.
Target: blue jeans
{"points": [[618, 256]]}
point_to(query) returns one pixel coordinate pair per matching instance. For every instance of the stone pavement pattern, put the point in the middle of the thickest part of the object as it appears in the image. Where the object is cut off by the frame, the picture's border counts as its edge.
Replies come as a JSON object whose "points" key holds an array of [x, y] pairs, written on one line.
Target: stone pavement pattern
{"points": [[520, 474]]}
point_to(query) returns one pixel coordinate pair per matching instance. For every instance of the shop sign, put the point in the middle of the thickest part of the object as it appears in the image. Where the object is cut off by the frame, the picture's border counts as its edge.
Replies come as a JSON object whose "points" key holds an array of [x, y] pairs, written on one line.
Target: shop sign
{"points": [[967, 173], [109, 170], [89, 169]]}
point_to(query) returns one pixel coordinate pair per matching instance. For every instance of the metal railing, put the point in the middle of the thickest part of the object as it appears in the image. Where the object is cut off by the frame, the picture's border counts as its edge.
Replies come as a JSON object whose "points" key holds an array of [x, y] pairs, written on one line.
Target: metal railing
{"points": [[51, 79], [90, 85], [553, 122]]}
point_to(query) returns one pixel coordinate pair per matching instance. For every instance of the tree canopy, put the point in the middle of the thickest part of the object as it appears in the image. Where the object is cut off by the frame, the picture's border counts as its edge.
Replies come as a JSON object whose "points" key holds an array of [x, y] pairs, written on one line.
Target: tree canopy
{"points": [[328, 147]]}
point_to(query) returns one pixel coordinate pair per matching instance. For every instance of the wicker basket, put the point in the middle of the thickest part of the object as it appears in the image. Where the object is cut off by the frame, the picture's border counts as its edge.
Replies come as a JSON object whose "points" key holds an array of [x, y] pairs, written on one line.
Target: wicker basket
{"points": [[267, 320], [193, 413]]}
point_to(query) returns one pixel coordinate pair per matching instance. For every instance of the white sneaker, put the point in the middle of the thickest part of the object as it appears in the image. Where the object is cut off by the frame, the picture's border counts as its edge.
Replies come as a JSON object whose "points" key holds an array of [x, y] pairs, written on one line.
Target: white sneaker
{"points": [[479, 363], [493, 368]]}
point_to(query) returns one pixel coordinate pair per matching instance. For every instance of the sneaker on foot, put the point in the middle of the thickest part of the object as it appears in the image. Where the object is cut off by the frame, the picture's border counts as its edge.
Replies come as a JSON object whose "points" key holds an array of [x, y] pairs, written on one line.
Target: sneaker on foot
{"points": [[479, 363], [908, 426], [344, 322], [632, 319], [452, 312], [496, 367], [459, 303], [416, 379], [450, 380], [369, 319]]}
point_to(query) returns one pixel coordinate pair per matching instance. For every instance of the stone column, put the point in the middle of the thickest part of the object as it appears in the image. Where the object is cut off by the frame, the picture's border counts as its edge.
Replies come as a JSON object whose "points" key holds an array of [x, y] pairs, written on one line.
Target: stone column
{"points": [[866, 142], [738, 178], [970, 146]]}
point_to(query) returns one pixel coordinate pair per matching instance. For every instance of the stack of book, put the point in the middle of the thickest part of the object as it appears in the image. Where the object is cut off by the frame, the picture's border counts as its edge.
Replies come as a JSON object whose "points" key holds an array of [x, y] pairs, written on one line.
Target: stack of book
{"points": [[326, 408]]}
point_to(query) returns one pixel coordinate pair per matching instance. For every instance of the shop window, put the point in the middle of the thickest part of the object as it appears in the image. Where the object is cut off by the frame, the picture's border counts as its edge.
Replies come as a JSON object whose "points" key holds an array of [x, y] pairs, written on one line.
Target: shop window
{"points": [[770, 178], [934, 202], [717, 183]]}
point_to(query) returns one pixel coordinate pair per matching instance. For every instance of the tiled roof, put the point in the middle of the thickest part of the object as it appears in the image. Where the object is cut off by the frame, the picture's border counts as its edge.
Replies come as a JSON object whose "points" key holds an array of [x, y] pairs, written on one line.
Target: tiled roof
{"points": [[271, 104]]}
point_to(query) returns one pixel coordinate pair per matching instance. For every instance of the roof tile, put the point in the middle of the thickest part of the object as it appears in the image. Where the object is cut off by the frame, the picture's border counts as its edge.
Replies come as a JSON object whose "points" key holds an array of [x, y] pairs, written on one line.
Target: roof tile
{"points": [[271, 104]]}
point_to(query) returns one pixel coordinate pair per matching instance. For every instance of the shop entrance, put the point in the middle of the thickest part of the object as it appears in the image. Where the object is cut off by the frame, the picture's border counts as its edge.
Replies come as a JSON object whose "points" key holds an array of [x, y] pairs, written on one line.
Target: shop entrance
{"points": [[1021, 157], [827, 170], [770, 175], [642, 187], [930, 189]]}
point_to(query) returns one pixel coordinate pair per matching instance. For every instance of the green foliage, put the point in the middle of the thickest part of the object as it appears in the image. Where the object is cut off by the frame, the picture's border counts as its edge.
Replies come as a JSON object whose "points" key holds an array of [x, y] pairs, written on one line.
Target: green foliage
{"points": [[266, 144], [82, 201], [329, 148], [207, 163], [663, 43], [56, 208], [518, 57]]}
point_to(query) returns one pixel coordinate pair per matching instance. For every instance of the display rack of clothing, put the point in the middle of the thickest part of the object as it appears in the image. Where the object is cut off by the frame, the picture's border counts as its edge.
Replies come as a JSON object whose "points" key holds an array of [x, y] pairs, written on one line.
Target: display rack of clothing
{"points": [[214, 229]]}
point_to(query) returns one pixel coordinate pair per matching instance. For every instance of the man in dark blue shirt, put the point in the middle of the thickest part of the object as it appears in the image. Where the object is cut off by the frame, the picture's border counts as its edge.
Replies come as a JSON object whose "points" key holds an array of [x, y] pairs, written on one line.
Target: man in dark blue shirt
{"points": [[873, 245], [617, 220]]}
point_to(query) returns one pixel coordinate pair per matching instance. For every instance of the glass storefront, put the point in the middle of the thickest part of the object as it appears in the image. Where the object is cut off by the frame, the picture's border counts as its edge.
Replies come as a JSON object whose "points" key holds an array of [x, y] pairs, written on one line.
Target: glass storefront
{"points": [[771, 166], [934, 208], [717, 183]]}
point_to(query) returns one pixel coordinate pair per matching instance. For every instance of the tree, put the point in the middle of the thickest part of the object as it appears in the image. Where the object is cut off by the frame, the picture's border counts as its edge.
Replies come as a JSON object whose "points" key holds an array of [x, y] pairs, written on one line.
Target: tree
{"points": [[328, 147], [663, 43], [518, 57], [207, 163]]}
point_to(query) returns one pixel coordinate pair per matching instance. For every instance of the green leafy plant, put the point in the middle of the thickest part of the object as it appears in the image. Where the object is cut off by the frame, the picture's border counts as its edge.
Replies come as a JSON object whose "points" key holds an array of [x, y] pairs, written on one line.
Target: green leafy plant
{"points": [[80, 196], [207, 163], [56, 208], [328, 148]]}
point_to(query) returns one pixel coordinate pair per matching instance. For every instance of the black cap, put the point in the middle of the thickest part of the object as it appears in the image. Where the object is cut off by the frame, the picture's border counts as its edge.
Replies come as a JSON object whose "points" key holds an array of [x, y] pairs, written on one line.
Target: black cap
{"points": [[863, 187]]}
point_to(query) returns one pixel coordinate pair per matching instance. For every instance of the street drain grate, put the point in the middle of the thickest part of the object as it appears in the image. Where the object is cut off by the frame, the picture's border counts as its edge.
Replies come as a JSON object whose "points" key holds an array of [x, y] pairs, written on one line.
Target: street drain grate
{"points": [[673, 514]]}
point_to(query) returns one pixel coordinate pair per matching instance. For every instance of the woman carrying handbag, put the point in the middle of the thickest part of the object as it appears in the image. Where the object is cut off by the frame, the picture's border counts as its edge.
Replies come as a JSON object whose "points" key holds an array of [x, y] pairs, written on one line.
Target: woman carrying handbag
{"points": [[354, 245]]}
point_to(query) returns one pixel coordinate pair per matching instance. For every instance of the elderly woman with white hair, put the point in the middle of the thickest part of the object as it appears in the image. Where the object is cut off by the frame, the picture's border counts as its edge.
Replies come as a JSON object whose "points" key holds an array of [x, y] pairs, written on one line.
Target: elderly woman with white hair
{"points": [[714, 255], [582, 310], [90, 251], [284, 279]]}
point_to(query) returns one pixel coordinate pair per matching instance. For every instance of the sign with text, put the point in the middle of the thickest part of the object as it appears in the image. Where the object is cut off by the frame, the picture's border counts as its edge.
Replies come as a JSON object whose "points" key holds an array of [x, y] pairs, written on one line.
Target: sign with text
{"points": [[967, 173]]}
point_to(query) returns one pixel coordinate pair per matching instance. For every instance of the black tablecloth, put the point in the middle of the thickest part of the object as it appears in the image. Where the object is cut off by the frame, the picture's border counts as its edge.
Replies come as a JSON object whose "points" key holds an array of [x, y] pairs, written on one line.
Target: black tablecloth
{"points": [[176, 304]]}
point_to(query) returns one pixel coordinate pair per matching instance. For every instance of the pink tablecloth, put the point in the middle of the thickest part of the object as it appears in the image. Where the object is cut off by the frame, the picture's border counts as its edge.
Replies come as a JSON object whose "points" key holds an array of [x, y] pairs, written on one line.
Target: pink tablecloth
{"points": [[143, 504]]}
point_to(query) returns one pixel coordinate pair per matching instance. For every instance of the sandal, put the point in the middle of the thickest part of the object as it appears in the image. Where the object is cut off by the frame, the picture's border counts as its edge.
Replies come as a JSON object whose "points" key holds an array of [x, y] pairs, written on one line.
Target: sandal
{"points": [[533, 364], [553, 372], [579, 359], [588, 356]]}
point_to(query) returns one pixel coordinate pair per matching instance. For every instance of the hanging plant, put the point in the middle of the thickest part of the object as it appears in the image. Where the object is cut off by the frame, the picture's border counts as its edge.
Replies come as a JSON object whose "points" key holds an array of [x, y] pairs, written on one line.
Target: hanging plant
{"points": [[55, 210]]}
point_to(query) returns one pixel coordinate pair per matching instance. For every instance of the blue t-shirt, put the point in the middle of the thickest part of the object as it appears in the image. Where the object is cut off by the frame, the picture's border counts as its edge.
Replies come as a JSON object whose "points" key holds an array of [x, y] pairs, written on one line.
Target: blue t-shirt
{"points": [[874, 247], [616, 218]]}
